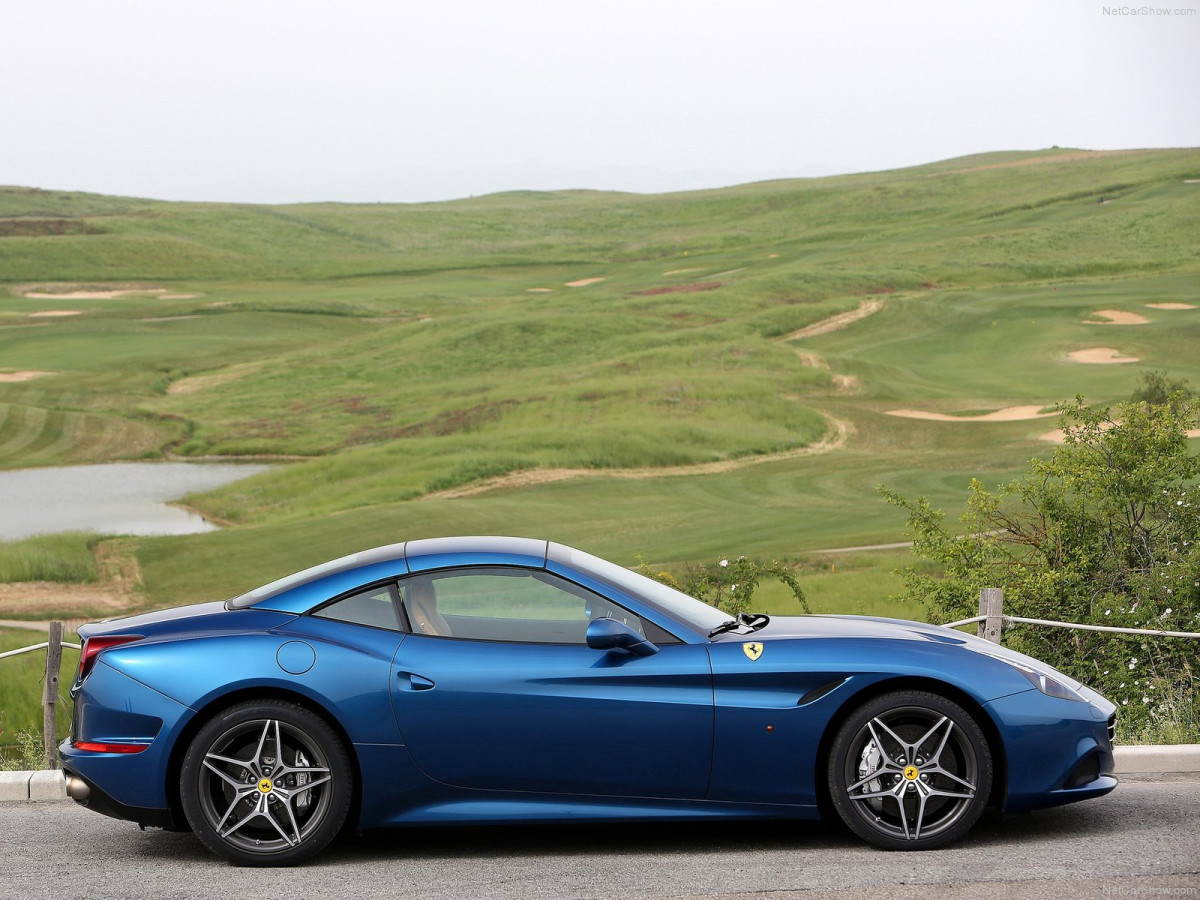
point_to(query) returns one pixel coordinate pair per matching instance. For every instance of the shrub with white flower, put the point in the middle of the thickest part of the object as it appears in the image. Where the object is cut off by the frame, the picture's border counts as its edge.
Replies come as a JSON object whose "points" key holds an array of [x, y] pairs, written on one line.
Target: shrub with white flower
{"points": [[1102, 532], [730, 584]]}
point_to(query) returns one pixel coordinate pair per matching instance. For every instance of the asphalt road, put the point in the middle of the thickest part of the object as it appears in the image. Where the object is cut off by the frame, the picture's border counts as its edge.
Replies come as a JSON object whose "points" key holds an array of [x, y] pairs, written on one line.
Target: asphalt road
{"points": [[1141, 840]]}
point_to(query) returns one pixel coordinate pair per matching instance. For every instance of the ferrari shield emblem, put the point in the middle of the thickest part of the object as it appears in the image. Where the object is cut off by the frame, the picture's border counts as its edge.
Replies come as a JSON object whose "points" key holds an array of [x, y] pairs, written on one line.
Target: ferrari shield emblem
{"points": [[753, 649]]}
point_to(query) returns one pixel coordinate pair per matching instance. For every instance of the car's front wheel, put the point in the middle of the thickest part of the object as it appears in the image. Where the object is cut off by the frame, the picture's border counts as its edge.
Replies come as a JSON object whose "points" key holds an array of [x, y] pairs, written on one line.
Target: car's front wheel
{"points": [[266, 783], [910, 770]]}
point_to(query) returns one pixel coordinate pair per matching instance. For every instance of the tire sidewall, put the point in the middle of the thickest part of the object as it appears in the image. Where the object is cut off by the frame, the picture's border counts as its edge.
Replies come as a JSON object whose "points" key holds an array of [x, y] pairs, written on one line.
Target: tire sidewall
{"points": [[341, 786], [848, 810]]}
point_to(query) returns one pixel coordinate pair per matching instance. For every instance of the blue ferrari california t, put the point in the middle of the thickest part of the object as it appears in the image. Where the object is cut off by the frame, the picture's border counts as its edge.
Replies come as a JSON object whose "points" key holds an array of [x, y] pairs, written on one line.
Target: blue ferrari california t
{"points": [[497, 679]]}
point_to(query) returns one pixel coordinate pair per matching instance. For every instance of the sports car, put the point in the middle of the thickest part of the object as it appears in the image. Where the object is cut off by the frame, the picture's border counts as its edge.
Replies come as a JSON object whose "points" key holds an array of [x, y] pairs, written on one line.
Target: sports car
{"points": [[501, 679]]}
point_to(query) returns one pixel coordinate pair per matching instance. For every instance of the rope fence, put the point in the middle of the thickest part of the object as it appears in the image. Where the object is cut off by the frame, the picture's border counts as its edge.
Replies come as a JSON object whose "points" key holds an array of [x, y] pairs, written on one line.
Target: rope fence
{"points": [[991, 618], [53, 647]]}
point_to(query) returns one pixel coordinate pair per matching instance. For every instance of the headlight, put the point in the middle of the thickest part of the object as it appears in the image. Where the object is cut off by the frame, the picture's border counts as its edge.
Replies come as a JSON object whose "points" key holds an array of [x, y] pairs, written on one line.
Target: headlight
{"points": [[1048, 684]]}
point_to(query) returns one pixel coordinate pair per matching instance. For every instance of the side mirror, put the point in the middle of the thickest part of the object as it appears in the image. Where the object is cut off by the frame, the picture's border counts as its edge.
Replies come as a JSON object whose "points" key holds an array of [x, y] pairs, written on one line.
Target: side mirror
{"points": [[609, 634]]}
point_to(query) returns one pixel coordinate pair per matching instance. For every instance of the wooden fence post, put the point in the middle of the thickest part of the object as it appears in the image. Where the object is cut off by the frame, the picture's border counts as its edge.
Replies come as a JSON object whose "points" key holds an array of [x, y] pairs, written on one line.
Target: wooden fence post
{"points": [[50, 694], [991, 604]]}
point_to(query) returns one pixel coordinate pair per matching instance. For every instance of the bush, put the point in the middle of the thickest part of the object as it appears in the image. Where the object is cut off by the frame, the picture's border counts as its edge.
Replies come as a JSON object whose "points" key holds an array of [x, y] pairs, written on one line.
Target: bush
{"points": [[1105, 532], [728, 584], [27, 754]]}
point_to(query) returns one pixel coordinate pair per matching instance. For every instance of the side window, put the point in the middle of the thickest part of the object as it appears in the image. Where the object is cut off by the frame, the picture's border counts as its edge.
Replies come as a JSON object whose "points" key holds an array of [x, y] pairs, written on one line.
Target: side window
{"points": [[375, 607], [505, 604]]}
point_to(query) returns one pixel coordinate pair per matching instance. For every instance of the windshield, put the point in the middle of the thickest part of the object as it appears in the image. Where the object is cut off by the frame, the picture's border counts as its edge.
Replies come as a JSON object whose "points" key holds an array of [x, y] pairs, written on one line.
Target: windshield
{"points": [[677, 604]]}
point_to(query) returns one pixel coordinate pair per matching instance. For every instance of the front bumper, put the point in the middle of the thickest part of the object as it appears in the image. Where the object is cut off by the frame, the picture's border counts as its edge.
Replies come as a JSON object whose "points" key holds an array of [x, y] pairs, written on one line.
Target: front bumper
{"points": [[1058, 751]]}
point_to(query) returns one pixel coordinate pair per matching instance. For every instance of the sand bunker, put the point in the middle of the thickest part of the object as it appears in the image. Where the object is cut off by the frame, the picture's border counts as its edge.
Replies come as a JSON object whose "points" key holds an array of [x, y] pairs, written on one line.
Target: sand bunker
{"points": [[18, 377], [1008, 414], [1170, 306], [54, 313], [1058, 436], [681, 271], [1116, 317], [584, 282], [1100, 356], [78, 295], [90, 292], [539, 290]]}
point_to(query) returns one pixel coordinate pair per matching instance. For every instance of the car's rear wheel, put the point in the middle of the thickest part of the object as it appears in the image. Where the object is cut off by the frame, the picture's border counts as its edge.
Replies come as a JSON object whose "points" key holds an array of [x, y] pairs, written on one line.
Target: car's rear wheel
{"points": [[910, 770], [266, 783]]}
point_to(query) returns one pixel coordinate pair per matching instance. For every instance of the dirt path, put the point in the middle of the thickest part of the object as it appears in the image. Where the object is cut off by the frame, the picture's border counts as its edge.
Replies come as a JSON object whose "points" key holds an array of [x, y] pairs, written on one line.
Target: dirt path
{"points": [[835, 323], [839, 433], [113, 593], [837, 437], [70, 627]]}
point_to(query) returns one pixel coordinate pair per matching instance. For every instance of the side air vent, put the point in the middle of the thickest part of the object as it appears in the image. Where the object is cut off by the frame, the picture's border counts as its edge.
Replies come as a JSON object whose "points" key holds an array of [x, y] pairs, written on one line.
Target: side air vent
{"points": [[817, 693]]}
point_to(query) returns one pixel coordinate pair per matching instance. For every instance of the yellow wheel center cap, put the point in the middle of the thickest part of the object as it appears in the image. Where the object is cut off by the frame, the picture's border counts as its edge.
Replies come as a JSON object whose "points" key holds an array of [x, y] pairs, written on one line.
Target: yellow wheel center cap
{"points": [[912, 773], [265, 786]]}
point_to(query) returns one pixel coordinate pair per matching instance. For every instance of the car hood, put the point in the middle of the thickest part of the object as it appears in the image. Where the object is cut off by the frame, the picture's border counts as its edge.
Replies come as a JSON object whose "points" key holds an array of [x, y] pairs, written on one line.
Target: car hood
{"points": [[870, 627]]}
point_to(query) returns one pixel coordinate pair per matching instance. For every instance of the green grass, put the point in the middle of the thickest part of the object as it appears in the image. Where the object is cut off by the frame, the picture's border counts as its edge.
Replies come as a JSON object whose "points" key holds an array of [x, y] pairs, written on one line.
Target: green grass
{"points": [[400, 350], [21, 679], [65, 557]]}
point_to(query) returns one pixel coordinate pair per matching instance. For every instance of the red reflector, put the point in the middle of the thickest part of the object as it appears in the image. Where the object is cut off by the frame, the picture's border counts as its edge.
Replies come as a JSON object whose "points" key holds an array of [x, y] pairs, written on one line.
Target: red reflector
{"points": [[95, 747], [92, 647]]}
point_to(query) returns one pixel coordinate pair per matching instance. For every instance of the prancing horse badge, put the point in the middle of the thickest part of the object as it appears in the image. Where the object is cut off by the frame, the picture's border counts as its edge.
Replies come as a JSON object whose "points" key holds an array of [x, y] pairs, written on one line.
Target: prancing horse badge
{"points": [[753, 649]]}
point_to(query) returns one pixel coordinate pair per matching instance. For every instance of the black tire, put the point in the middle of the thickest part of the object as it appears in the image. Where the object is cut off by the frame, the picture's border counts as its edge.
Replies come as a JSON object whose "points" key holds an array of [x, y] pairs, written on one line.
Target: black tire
{"points": [[910, 770], [266, 783]]}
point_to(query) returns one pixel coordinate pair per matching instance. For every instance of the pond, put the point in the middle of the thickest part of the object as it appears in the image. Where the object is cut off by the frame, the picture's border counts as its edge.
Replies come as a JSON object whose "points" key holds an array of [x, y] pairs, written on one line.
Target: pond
{"points": [[114, 498]]}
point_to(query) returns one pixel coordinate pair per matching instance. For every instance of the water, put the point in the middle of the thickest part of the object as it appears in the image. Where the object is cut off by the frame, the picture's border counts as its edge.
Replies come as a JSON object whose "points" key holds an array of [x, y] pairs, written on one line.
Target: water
{"points": [[115, 498]]}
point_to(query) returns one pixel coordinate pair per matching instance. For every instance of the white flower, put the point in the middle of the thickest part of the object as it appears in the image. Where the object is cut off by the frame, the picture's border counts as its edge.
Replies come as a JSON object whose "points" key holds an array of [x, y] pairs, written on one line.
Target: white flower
{"points": [[723, 563], [732, 588], [1108, 612]]}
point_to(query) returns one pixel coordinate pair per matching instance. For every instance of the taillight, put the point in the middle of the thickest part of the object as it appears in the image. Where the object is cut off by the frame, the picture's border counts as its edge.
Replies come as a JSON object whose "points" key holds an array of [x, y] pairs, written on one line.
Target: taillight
{"points": [[92, 647], [95, 747]]}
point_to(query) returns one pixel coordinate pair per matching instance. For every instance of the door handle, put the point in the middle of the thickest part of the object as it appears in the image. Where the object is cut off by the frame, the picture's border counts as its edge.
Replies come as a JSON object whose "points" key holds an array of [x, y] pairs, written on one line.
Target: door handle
{"points": [[415, 682]]}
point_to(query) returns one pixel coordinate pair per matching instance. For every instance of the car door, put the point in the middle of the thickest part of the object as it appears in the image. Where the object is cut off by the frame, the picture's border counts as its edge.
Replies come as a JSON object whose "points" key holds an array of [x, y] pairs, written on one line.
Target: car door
{"points": [[505, 694]]}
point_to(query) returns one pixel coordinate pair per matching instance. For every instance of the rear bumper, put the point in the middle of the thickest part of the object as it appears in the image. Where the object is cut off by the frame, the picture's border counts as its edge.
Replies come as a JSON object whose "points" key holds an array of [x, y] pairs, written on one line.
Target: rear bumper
{"points": [[98, 800], [122, 785]]}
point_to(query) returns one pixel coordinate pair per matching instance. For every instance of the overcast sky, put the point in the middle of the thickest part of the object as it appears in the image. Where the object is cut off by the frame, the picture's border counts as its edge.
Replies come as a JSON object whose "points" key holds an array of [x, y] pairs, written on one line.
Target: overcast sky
{"points": [[397, 100]]}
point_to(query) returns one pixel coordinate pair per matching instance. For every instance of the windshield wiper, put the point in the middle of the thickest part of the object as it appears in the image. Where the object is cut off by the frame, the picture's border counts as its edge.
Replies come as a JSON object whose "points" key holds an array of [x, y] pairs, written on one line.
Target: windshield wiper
{"points": [[750, 621], [724, 627]]}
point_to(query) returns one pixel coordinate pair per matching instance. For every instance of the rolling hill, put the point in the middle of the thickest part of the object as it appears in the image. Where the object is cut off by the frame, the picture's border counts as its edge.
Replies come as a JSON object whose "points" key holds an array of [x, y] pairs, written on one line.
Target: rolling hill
{"points": [[677, 376]]}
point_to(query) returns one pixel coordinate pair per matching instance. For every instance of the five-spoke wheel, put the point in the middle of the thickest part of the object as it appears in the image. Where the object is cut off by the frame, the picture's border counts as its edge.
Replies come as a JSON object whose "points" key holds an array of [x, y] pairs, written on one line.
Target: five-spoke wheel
{"points": [[910, 770], [266, 783]]}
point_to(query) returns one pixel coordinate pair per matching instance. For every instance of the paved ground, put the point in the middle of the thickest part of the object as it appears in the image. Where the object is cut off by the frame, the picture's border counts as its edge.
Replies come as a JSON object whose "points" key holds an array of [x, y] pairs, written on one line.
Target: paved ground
{"points": [[1141, 840]]}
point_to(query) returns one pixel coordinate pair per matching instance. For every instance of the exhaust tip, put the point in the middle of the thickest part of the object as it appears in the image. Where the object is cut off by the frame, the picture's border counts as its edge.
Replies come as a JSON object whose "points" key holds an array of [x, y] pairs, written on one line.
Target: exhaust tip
{"points": [[77, 788]]}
